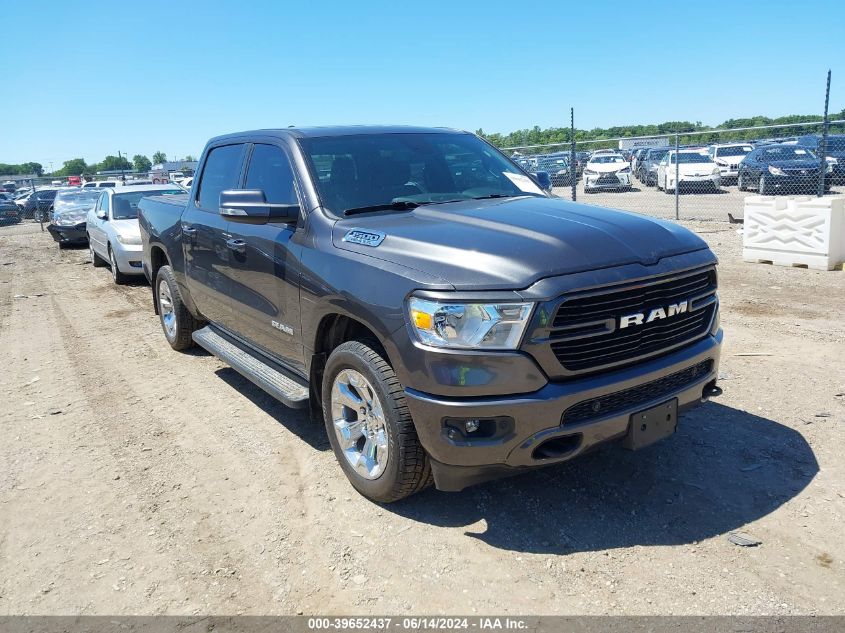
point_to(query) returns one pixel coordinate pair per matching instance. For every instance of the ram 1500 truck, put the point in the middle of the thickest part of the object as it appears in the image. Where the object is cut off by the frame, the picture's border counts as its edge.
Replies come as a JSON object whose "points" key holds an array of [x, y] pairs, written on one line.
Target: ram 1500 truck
{"points": [[442, 315]]}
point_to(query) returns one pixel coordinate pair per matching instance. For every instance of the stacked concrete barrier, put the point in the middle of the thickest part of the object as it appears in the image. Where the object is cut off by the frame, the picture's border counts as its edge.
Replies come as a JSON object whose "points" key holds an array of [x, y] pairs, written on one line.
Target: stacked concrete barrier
{"points": [[795, 231]]}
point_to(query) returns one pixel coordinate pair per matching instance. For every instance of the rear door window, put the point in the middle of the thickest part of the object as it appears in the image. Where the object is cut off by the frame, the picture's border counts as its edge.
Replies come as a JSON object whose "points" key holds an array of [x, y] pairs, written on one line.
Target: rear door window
{"points": [[221, 172]]}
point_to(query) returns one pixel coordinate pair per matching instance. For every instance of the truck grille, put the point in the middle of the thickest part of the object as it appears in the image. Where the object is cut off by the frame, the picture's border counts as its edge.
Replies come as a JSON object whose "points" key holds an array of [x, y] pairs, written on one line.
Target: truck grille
{"points": [[628, 398], [585, 331]]}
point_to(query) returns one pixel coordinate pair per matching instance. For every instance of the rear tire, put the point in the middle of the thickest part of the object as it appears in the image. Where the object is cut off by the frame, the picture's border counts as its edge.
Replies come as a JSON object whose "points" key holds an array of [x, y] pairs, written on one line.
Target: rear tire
{"points": [[399, 466], [177, 322], [762, 186], [118, 277], [96, 260]]}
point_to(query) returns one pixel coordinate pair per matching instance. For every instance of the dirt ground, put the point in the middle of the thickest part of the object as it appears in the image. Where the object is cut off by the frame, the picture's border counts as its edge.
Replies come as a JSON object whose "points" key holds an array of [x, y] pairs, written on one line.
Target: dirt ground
{"points": [[138, 480]]}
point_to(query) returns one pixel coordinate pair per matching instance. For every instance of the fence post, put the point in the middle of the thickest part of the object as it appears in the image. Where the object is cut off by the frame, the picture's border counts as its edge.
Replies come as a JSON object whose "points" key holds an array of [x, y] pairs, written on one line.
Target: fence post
{"points": [[823, 145], [677, 176], [573, 177]]}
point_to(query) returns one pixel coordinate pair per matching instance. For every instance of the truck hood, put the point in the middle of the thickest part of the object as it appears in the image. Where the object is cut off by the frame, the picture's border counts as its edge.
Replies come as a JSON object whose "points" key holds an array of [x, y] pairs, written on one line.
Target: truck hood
{"points": [[511, 243]]}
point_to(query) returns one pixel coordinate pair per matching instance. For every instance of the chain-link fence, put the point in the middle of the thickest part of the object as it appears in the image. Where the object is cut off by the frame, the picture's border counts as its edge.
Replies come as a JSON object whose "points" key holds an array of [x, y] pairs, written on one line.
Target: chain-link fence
{"points": [[702, 175]]}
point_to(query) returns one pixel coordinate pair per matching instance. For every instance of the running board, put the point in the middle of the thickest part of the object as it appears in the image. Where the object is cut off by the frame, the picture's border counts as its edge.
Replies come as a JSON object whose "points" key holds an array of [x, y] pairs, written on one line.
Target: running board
{"points": [[282, 387]]}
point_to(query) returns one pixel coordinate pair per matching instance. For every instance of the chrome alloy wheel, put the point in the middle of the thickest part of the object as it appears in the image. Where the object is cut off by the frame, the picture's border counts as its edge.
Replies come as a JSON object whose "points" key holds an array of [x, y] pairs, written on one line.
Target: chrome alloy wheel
{"points": [[359, 424], [165, 306]]}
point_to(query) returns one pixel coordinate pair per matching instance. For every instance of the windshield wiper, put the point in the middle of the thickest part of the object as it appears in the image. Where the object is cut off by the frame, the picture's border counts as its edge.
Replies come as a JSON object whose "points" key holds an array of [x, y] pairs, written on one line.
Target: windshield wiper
{"points": [[398, 205]]}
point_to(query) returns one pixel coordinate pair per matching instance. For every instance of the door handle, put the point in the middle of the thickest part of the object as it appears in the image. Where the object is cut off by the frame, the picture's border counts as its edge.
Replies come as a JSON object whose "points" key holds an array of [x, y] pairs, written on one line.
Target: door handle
{"points": [[189, 231], [239, 246]]}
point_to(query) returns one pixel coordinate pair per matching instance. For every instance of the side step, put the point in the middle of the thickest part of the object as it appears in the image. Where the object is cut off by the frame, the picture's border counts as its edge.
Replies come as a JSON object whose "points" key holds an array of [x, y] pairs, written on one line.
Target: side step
{"points": [[282, 387]]}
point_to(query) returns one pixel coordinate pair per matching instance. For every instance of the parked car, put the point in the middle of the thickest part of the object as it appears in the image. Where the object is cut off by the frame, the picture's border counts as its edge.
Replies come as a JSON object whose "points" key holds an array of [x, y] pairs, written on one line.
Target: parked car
{"points": [[647, 167], [835, 150], [96, 184], [781, 168], [438, 330], [70, 211], [694, 168], [636, 158], [112, 228], [606, 171], [557, 166], [9, 212], [9, 186], [582, 158], [728, 156], [39, 202]]}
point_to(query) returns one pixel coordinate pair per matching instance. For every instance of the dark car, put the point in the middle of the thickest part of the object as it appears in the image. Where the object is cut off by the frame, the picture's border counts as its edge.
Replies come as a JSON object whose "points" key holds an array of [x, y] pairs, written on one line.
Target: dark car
{"points": [[441, 322], [39, 202], [780, 168], [9, 212], [70, 209], [647, 167], [557, 166], [835, 149]]}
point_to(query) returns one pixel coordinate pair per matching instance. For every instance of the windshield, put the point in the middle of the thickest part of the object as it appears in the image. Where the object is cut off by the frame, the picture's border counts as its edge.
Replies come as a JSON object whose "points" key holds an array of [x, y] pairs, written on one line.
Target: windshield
{"points": [[78, 198], [692, 157], [125, 205], [787, 152], [608, 158], [734, 150], [367, 170], [836, 145], [657, 154]]}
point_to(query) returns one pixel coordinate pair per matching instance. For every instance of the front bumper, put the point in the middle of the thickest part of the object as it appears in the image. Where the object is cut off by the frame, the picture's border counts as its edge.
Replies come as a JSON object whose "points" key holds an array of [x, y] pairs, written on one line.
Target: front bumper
{"points": [[729, 171], [522, 426], [128, 257], [602, 181], [70, 234]]}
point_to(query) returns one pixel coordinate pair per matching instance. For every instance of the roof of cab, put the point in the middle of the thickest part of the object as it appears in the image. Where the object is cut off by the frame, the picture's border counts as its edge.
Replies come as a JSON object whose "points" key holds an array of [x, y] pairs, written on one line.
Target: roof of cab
{"points": [[339, 130]]}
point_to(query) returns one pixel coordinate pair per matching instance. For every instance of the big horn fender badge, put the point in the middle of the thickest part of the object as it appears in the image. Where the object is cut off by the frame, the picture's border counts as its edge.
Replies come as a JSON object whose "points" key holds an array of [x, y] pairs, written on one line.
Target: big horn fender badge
{"points": [[364, 237]]}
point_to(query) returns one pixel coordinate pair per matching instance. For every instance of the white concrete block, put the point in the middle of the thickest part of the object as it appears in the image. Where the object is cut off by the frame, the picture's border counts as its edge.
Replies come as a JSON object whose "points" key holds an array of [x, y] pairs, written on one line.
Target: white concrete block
{"points": [[795, 231]]}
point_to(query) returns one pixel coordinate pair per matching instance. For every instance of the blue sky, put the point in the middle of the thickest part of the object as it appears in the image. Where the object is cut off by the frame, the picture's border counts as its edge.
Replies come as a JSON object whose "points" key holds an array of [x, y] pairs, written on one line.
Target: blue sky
{"points": [[93, 78]]}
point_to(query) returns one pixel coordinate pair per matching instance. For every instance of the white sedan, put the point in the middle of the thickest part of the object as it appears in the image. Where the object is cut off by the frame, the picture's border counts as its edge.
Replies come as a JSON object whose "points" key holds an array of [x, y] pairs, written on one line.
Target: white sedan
{"points": [[693, 167], [114, 236], [607, 171]]}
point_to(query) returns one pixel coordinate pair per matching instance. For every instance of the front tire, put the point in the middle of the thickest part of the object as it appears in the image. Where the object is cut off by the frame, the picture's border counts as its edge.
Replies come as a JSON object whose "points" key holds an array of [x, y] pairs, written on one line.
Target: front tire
{"points": [[177, 322], [763, 186], [740, 183], [369, 425]]}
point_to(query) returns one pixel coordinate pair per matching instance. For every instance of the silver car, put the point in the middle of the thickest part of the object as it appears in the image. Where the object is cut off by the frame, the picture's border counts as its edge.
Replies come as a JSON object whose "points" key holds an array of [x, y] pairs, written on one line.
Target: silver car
{"points": [[113, 233]]}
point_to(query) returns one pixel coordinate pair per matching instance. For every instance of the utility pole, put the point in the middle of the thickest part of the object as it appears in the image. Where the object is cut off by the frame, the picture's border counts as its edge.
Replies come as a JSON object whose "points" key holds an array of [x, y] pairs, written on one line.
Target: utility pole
{"points": [[120, 160], [823, 145]]}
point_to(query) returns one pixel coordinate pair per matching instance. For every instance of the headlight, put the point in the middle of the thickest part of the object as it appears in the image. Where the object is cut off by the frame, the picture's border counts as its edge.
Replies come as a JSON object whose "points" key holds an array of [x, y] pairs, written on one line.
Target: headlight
{"points": [[774, 171], [716, 171], [625, 170], [129, 240], [590, 172], [462, 325]]}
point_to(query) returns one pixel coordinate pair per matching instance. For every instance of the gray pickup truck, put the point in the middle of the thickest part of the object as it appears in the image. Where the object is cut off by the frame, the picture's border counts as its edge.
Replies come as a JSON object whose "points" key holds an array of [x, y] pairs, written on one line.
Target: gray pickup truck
{"points": [[444, 316]]}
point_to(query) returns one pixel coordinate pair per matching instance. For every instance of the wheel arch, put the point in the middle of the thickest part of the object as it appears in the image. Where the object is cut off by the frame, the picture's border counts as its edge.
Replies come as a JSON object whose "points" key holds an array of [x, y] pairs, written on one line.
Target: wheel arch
{"points": [[334, 329]]}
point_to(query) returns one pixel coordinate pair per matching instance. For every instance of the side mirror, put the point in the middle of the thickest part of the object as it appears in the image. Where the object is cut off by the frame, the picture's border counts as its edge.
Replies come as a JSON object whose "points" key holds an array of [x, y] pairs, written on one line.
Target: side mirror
{"points": [[102, 214], [544, 180], [249, 206]]}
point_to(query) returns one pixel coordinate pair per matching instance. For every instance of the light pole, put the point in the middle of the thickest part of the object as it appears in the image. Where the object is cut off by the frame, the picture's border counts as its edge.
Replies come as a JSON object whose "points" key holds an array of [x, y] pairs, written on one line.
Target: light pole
{"points": [[120, 160]]}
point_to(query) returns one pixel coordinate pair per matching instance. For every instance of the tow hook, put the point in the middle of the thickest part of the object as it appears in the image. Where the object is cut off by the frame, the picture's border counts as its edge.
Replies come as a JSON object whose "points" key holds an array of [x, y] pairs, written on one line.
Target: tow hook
{"points": [[710, 391]]}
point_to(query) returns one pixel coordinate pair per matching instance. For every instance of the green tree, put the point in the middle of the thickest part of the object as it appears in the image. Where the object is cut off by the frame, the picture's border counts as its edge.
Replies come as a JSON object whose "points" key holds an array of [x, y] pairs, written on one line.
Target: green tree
{"points": [[190, 158], [74, 167], [159, 157], [32, 168], [141, 162], [115, 162]]}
